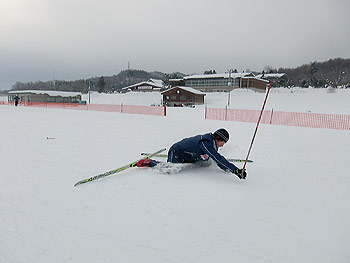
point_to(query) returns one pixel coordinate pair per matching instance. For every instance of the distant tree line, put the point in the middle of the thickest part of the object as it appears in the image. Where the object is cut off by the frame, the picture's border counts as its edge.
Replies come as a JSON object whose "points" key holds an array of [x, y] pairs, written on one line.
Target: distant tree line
{"points": [[103, 84], [175, 75], [208, 72], [334, 72], [60, 85]]}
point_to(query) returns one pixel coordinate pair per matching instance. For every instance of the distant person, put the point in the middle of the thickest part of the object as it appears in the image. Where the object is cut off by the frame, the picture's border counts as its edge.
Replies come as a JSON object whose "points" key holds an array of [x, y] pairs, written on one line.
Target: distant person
{"points": [[199, 149], [16, 99]]}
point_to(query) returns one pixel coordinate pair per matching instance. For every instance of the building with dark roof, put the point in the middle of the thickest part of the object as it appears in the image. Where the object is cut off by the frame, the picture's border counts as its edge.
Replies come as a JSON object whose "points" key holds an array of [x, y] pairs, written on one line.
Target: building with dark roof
{"points": [[182, 96]]}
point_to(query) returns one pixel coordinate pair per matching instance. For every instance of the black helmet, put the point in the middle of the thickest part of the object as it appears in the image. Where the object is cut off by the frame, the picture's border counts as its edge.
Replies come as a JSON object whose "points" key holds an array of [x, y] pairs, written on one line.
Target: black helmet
{"points": [[221, 135]]}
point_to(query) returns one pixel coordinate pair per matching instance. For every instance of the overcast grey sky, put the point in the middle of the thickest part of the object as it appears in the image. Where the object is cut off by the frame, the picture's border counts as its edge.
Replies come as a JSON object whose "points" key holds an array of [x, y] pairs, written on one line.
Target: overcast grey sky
{"points": [[75, 39]]}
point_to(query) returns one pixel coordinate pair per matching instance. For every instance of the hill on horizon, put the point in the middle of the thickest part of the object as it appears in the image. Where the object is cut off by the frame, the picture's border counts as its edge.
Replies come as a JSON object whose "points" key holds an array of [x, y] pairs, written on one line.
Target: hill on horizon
{"points": [[334, 72]]}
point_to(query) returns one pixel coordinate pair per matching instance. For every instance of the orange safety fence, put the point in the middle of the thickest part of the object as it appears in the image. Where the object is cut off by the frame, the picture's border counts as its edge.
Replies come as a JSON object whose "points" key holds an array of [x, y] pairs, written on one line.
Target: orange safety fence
{"points": [[131, 109], [301, 119]]}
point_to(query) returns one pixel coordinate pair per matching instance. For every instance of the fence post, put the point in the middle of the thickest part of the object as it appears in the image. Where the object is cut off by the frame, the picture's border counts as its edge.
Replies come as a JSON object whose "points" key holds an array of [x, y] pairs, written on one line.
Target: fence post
{"points": [[271, 116], [164, 110]]}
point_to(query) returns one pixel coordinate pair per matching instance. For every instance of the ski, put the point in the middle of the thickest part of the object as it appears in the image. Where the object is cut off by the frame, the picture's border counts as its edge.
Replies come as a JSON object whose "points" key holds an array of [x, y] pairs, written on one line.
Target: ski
{"points": [[229, 159], [133, 164]]}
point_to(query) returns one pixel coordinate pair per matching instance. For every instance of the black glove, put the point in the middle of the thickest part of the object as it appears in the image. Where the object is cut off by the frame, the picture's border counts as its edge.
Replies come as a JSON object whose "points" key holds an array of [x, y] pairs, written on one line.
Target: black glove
{"points": [[239, 173]]}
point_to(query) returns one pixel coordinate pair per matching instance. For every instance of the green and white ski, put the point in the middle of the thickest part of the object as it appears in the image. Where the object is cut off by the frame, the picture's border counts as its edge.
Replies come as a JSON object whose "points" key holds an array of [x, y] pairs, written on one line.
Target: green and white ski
{"points": [[133, 164]]}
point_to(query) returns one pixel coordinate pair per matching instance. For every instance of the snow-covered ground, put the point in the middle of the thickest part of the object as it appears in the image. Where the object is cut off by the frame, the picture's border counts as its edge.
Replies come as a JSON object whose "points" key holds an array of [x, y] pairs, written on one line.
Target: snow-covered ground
{"points": [[280, 99], [293, 207]]}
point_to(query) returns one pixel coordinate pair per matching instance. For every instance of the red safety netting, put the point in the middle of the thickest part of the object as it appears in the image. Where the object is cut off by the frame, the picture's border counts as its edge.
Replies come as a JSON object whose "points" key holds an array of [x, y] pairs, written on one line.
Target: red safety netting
{"points": [[131, 109], [302, 119], [148, 110], [103, 107]]}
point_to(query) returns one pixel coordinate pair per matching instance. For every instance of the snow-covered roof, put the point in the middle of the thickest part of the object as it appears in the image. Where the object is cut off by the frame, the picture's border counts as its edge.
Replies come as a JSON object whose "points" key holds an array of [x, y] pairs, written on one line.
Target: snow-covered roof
{"points": [[271, 75], [259, 79], [192, 90], [48, 92], [152, 82], [221, 75], [175, 79], [157, 82]]}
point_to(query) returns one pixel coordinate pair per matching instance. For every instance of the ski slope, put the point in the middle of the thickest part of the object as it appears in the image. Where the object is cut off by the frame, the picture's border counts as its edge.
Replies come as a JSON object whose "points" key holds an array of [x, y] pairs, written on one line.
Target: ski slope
{"points": [[293, 207]]}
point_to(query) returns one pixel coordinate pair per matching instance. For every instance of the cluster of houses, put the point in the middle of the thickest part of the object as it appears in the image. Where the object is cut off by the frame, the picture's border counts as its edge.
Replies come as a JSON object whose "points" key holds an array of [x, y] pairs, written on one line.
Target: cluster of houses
{"points": [[189, 90]]}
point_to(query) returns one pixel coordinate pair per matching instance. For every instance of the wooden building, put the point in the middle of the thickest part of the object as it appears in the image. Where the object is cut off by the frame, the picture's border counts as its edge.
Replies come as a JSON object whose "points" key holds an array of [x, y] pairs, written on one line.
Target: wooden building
{"points": [[182, 96], [254, 83], [45, 96]]}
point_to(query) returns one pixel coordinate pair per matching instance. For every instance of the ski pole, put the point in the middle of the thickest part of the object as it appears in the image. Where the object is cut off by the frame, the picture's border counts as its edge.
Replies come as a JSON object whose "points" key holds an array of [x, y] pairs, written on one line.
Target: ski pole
{"points": [[256, 128]]}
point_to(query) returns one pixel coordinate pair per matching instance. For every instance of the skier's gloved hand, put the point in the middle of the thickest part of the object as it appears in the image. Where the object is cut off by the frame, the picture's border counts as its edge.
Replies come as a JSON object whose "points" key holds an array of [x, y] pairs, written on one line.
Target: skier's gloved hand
{"points": [[239, 173]]}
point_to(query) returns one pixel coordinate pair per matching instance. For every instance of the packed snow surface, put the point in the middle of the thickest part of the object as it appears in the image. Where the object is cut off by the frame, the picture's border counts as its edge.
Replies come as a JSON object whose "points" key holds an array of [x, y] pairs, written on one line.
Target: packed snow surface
{"points": [[293, 207]]}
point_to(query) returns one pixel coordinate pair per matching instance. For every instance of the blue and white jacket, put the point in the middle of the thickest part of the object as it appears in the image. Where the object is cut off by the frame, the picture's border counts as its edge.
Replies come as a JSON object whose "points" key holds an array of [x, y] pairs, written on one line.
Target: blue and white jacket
{"points": [[198, 148]]}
